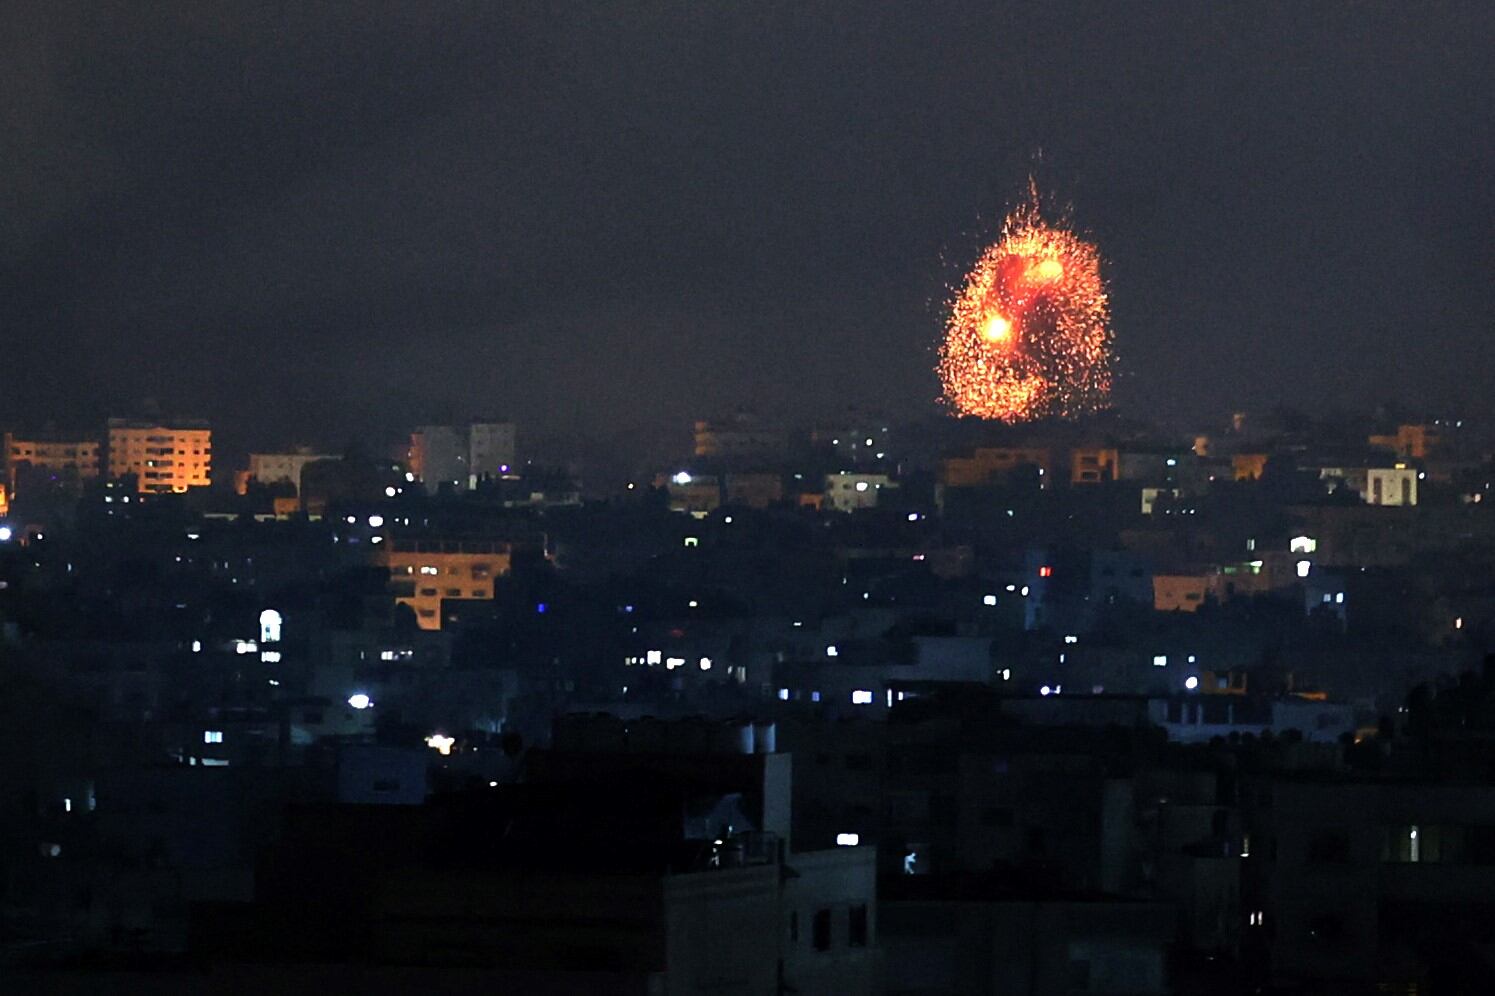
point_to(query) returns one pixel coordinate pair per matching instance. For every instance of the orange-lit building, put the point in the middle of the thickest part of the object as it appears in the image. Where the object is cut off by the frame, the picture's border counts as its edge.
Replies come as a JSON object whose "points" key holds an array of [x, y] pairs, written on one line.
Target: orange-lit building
{"points": [[1092, 466], [743, 439], [1414, 441], [164, 457], [987, 465], [68, 455], [423, 573], [1248, 466], [1180, 592]]}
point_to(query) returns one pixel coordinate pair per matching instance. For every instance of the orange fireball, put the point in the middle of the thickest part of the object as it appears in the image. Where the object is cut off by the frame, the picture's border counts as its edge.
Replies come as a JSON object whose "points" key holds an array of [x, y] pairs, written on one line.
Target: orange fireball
{"points": [[1029, 335]]}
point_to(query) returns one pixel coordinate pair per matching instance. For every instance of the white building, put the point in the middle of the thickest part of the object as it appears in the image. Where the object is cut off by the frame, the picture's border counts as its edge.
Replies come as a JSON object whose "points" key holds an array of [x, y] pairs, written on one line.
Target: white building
{"points": [[284, 468], [1391, 485], [461, 455]]}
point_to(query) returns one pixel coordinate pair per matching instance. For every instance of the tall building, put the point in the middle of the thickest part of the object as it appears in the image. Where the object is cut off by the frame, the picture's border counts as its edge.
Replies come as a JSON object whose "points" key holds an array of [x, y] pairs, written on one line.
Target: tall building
{"points": [[461, 455], [164, 456], [65, 455]]}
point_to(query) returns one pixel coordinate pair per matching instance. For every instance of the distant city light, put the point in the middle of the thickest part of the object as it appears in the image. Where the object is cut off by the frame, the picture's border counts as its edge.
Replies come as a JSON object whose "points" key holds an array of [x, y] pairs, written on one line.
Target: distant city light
{"points": [[270, 624], [1191, 682], [783, 695], [848, 840], [390, 491], [705, 663], [441, 743], [1303, 568], [1160, 660], [861, 696], [832, 651], [360, 701], [988, 599], [683, 477], [1045, 690], [540, 608], [5, 534]]}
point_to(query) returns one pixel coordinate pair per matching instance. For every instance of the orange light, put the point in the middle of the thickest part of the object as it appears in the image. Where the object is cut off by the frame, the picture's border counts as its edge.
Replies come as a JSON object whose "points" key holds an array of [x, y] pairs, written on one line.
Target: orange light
{"points": [[1028, 335], [996, 329]]}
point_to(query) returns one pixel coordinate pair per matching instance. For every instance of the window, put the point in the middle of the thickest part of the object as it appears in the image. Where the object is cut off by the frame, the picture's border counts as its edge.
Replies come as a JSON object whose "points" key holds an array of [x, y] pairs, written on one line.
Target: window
{"points": [[212, 736], [821, 930], [857, 927]]}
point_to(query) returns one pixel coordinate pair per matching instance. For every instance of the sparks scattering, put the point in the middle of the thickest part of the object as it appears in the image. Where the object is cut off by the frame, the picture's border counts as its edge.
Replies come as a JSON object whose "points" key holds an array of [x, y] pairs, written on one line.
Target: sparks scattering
{"points": [[1029, 335]]}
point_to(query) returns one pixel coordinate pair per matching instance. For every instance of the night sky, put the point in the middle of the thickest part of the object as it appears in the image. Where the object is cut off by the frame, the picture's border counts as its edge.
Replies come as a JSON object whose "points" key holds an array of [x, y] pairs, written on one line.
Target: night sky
{"points": [[307, 224]]}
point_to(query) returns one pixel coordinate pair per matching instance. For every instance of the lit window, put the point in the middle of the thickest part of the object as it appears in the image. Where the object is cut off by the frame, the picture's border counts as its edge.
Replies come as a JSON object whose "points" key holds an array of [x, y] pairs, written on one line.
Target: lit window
{"points": [[848, 839], [212, 736], [1160, 660], [671, 663], [440, 743], [1303, 567], [1045, 572], [360, 701], [654, 657], [692, 541], [832, 651], [783, 695], [1191, 682], [988, 599], [861, 696], [705, 663]]}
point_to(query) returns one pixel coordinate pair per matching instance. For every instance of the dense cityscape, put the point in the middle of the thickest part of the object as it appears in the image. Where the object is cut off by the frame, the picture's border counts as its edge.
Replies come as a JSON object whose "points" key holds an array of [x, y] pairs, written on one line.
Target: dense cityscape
{"points": [[787, 498], [948, 706]]}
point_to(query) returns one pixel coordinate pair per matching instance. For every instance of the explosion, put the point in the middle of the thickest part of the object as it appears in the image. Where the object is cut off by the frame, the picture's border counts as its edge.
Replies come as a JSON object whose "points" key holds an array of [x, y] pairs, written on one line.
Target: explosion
{"points": [[1029, 334]]}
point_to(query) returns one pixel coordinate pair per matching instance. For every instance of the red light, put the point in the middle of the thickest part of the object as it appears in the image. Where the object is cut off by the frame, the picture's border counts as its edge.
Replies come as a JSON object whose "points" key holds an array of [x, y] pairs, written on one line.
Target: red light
{"points": [[1045, 572]]}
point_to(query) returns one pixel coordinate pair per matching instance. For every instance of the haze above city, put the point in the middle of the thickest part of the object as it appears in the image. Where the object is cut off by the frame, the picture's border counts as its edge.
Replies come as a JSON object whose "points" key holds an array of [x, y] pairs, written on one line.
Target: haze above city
{"points": [[598, 221]]}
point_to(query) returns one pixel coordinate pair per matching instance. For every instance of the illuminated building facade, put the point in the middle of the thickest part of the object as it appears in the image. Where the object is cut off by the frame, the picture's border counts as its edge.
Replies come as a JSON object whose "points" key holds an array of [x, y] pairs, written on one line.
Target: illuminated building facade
{"points": [[164, 457], [283, 468], [67, 455], [461, 455], [425, 572], [1092, 466]]}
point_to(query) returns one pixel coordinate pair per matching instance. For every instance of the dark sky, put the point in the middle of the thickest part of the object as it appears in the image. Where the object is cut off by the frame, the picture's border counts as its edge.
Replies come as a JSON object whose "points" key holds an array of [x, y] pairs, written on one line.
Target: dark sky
{"points": [[304, 223]]}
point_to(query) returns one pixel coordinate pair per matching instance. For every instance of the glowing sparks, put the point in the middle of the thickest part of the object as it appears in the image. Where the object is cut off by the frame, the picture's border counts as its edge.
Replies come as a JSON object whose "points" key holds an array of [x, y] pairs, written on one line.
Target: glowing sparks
{"points": [[1029, 334]]}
